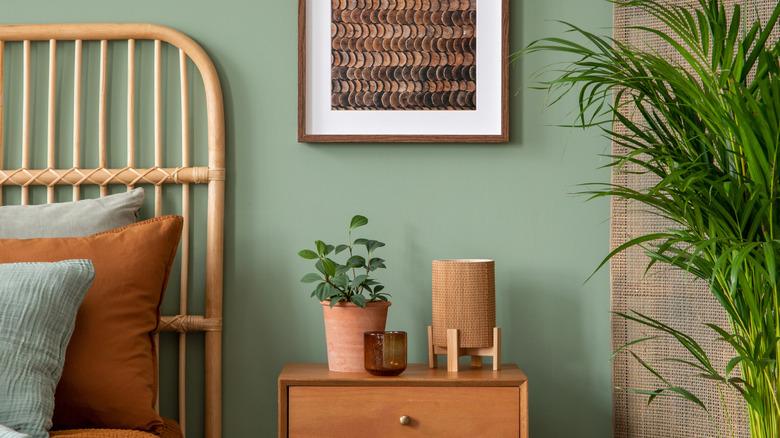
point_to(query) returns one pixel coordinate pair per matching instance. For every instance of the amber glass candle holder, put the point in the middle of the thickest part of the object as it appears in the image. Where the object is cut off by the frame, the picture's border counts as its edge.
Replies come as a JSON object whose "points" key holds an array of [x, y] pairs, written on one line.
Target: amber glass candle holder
{"points": [[385, 353]]}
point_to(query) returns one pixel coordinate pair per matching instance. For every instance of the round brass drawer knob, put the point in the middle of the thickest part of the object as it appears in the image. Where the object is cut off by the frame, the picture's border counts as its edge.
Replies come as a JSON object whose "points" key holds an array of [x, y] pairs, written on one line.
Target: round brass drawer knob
{"points": [[405, 420]]}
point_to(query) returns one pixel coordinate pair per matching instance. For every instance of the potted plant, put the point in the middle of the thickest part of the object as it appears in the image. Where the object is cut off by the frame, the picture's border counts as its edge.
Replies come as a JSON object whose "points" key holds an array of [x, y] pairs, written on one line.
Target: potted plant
{"points": [[353, 302], [708, 128]]}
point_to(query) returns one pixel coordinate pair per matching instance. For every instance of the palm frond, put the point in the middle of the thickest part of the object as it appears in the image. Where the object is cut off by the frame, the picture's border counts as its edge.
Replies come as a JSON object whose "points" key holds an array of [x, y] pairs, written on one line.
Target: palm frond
{"points": [[707, 130]]}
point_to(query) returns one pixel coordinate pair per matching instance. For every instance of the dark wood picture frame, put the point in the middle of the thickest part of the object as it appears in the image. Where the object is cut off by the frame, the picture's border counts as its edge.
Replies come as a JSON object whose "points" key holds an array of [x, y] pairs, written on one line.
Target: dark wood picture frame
{"points": [[304, 137]]}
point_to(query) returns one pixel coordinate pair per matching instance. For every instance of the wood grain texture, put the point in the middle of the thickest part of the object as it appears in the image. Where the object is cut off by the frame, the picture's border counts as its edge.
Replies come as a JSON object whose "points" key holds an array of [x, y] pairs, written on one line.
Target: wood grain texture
{"points": [[473, 403], [318, 412], [432, 361], [524, 428], [454, 351], [304, 136], [415, 375]]}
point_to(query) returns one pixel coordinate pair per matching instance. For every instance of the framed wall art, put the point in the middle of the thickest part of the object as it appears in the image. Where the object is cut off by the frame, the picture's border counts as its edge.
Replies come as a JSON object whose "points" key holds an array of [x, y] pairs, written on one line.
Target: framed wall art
{"points": [[403, 71]]}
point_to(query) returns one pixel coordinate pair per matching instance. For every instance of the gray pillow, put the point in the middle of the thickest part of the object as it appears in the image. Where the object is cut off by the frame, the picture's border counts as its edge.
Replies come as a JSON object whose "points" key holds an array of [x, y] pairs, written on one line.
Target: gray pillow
{"points": [[70, 219], [38, 306]]}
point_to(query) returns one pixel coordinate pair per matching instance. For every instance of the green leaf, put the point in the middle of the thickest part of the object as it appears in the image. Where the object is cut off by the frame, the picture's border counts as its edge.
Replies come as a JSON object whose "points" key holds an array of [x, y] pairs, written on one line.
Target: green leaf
{"points": [[634, 342], [340, 280], [370, 244], [329, 249], [358, 300], [329, 267], [319, 291], [358, 280], [356, 262], [378, 288], [376, 263], [374, 244], [336, 299], [733, 363], [321, 247], [357, 221], [308, 254], [682, 392], [340, 248], [330, 292], [311, 278]]}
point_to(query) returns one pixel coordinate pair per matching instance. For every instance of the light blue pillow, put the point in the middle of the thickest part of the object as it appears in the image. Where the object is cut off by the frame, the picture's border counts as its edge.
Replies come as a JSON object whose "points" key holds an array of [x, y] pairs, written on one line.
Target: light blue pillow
{"points": [[10, 433], [38, 305]]}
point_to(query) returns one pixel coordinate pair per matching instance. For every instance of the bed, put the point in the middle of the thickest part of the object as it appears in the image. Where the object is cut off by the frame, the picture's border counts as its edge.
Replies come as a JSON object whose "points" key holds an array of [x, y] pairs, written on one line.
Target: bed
{"points": [[90, 162]]}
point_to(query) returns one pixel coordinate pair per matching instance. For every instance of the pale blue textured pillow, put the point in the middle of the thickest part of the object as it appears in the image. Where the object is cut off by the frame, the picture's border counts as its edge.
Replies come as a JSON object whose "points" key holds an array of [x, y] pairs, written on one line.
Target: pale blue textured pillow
{"points": [[6, 432], [38, 305]]}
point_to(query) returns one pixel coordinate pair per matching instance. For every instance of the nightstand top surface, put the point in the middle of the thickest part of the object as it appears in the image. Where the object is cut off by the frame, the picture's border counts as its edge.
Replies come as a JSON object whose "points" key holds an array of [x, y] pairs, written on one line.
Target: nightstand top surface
{"points": [[317, 374]]}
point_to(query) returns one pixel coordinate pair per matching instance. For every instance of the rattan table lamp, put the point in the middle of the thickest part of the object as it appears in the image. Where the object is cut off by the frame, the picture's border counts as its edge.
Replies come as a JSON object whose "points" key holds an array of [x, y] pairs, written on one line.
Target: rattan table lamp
{"points": [[464, 313]]}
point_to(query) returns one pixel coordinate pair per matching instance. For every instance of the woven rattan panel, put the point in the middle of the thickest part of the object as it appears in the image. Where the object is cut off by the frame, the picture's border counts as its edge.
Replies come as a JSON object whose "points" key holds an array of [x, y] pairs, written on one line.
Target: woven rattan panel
{"points": [[464, 298], [669, 295]]}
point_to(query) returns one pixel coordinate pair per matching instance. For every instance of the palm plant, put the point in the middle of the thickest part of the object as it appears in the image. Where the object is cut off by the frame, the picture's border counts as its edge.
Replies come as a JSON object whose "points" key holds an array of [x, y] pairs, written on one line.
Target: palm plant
{"points": [[708, 129]]}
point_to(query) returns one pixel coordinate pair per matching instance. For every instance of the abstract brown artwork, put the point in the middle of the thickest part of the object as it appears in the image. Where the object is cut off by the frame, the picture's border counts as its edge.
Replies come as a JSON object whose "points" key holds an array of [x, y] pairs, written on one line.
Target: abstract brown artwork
{"points": [[403, 55]]}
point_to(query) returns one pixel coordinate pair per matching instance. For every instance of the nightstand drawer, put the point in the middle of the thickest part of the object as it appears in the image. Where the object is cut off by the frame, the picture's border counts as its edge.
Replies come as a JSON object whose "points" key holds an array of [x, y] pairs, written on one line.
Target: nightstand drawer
{"points": [[376, 411]]}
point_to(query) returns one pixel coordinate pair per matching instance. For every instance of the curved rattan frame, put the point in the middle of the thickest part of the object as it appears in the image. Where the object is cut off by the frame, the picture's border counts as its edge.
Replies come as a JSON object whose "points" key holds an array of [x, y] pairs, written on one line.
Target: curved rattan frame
{"points": [[213, 175]]}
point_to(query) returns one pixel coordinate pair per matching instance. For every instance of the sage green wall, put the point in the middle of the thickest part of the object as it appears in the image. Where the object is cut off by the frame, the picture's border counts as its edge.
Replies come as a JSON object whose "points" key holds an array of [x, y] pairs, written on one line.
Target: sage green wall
{"points": [[508, 202]]}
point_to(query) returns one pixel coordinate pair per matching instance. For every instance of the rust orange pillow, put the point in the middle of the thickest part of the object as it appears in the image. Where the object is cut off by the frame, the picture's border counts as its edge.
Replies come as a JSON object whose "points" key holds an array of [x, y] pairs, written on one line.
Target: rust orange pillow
{"points": [[110, 374]]}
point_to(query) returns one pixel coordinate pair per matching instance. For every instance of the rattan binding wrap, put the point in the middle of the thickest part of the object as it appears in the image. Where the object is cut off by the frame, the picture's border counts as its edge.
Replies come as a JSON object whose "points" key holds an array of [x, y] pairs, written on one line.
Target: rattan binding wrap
{"points": [[464, 298], [666, 294]]}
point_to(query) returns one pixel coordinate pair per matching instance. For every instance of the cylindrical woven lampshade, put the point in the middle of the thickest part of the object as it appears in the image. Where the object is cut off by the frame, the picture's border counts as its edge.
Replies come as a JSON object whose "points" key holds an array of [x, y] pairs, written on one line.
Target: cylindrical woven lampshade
{"points": [[464, 298]]}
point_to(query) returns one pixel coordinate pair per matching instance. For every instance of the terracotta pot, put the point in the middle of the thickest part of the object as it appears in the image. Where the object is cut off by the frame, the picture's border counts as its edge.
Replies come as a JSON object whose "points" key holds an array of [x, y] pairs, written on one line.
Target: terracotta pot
{"points": [[344, 328]]}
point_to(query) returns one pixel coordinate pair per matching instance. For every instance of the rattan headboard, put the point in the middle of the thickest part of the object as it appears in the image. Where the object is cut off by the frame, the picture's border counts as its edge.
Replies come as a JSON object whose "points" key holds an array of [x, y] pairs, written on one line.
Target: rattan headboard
{"points": [[161, 173]]}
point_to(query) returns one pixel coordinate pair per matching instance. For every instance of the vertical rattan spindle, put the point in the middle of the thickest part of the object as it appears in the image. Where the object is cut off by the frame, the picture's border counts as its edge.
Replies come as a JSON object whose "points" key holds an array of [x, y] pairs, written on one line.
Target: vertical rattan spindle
{"points": [[158, 133], [130, 105], [77, 55], [185, 235], [2, 113], [51, 157], [157, 159], [102, 146], [26, 116]]}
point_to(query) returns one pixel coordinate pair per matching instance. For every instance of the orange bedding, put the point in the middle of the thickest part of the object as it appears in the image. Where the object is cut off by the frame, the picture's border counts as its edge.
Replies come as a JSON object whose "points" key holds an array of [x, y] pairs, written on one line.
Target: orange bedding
{"points": [[170, 430]]}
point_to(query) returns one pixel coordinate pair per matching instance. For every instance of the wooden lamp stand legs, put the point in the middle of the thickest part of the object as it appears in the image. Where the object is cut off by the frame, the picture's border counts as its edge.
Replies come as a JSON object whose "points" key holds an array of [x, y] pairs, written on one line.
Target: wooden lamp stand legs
{"points": [[453, 351]]}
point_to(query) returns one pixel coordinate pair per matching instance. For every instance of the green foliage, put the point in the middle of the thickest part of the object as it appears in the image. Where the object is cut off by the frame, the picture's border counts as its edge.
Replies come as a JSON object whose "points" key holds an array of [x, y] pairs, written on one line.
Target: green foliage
{"points": [[350, 282], [708, 129]]}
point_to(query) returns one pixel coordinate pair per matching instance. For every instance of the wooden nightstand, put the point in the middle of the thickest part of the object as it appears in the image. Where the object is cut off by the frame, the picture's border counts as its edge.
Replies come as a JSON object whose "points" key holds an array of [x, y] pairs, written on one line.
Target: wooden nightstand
{"points": [[422, 402]]}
